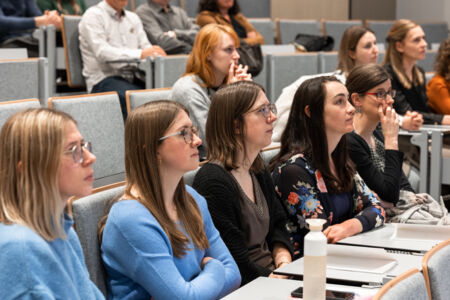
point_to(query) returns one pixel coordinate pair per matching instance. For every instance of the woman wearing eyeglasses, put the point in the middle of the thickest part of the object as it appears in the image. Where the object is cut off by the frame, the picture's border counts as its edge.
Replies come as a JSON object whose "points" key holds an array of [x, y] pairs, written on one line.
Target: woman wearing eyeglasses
{"points": [[375, 152], [313, 174], [43, 162], [236, 185], [159, 241]]}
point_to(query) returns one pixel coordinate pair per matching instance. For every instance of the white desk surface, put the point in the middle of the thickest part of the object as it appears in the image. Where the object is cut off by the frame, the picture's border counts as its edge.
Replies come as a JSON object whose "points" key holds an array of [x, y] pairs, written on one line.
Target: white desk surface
{"points": [[385, 237], [404, 263], [428, 127], [264, 288]]}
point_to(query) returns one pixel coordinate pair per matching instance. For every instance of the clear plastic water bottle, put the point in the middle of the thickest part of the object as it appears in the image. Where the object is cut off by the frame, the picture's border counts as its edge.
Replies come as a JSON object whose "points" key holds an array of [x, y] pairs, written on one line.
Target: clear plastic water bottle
{"points": [[315, 261]]}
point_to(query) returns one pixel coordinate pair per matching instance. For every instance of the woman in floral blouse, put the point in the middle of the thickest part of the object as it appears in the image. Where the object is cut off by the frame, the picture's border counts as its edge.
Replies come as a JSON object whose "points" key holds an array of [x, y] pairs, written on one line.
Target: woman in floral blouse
{"points": [[313, 174]]}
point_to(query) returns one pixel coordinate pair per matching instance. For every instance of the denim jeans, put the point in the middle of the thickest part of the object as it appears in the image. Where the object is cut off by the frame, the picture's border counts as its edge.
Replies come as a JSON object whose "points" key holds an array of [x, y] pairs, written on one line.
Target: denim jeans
{"points": [[119, 85]]}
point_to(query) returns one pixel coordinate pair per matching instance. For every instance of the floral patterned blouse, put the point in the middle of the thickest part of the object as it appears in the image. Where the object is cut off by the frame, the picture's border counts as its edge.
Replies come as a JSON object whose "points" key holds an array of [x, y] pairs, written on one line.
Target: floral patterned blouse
{"points": [[303, 192]]}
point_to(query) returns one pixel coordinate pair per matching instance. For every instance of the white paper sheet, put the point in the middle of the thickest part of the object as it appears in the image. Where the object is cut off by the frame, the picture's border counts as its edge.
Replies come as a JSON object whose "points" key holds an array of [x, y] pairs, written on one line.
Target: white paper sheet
{"points": [[359, 259], [422, 232]]}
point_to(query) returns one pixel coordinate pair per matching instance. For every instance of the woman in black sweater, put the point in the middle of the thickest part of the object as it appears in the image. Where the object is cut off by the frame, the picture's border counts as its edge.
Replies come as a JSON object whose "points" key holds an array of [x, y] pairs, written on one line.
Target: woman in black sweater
{"points": [[406, 46], [375, 152], [237, 187]]}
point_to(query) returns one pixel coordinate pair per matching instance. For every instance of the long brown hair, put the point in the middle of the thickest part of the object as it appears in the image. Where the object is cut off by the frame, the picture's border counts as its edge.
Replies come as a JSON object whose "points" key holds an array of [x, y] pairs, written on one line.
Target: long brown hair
{"points": [[206, 41], [31, 144], [76, 7], [349, 41], [442, 63], [226, 116], [397, 33], [144, 127], [306, 134]]}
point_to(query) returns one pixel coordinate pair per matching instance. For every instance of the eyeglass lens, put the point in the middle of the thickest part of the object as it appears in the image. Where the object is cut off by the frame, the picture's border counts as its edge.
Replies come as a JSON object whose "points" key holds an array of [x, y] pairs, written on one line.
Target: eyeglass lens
{"points": [[383, 94], [78, 151], [188, 134], [266, 109]]}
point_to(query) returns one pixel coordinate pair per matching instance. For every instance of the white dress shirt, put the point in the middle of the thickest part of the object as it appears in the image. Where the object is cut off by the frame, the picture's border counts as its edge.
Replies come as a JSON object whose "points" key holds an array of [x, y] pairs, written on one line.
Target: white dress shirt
{"points": [[105, 37]]}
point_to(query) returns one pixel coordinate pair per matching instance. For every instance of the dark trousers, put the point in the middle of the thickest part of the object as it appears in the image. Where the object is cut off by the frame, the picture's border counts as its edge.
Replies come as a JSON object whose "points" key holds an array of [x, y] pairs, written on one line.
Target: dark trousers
{"points": [[119, 85], [25, 41]]}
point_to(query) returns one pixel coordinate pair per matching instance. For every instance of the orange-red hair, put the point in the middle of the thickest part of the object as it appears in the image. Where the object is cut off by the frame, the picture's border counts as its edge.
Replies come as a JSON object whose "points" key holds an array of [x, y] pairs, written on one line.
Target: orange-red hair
{"points": [[206, 41]]}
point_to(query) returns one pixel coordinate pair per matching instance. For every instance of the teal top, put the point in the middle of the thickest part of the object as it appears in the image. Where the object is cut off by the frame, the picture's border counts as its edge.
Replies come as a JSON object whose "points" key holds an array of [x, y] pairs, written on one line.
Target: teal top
{"points": [[67, 7]]}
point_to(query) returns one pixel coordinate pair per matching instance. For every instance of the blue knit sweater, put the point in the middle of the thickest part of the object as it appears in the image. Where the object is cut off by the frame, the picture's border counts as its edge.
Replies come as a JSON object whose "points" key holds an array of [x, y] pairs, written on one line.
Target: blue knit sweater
{"points": [[140, 263], [32, 268]]}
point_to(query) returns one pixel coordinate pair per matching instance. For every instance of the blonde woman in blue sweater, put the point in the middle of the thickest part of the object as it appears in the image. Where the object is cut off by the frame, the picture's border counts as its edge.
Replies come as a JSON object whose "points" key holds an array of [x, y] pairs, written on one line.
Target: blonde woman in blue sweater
{"points": [[43, 162]]}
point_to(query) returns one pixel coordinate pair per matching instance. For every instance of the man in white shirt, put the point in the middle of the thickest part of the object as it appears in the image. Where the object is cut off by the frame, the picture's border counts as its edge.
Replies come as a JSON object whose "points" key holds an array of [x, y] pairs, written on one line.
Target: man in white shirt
{"points": [[110, 33]]}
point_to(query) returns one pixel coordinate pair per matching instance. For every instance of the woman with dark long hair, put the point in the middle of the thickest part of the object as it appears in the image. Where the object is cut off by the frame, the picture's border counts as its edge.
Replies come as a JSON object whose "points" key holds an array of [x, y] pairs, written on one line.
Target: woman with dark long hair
{"points": [[358, 47], [313, 175]]}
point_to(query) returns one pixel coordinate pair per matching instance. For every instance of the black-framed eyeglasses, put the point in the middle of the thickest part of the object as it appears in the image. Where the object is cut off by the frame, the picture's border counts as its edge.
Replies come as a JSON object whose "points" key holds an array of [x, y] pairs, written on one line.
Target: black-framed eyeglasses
{"points": [[381, 95], [77, 151], [187, 134], [266, 109]]}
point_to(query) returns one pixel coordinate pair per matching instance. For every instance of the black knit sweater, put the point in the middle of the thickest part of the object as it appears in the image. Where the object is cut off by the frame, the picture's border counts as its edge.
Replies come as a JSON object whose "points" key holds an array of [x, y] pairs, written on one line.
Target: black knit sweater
{"points": [[388, 183], [223, 197]]}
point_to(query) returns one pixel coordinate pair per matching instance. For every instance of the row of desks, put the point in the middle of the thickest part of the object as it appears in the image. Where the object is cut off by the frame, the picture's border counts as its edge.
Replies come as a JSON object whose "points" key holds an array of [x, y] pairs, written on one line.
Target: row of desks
{"points": [[406, 243], [431, 136], [397, 247]]}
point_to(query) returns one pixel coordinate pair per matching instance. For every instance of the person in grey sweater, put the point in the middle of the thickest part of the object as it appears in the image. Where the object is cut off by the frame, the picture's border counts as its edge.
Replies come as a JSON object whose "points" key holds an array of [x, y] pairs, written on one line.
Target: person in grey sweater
{"points": [[167, 26], [211, 64]]}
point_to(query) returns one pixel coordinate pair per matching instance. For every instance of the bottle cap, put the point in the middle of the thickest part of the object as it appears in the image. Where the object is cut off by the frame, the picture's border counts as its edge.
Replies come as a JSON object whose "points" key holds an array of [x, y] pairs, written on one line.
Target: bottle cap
{"points": [[315, 224]]}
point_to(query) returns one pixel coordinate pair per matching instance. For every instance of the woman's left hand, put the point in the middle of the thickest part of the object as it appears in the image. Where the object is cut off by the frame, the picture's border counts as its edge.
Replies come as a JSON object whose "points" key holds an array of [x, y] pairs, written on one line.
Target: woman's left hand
{"points": [[335, 233]]}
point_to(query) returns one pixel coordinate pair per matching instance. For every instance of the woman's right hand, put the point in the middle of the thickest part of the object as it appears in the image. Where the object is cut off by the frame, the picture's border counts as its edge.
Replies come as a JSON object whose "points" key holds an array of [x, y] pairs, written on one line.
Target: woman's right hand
{"points": [[337, 232], [205, 260], [389, 126], [238, 73], [271, 275]]}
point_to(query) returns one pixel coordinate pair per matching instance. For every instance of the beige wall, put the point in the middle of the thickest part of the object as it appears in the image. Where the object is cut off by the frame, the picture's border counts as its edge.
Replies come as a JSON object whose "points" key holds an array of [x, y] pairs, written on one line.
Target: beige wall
{"points": [[375, 10], [310, 9], [422, 11]]}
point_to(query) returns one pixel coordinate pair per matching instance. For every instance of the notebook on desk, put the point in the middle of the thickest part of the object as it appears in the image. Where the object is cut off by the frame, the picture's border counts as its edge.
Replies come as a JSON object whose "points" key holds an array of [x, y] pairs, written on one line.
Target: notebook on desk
{"points": [[357, 266], [356, 259], [403, 237]]}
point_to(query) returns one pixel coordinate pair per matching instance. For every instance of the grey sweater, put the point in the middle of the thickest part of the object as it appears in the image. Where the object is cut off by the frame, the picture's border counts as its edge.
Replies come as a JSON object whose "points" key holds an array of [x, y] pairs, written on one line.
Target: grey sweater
{"points": [[190, 91], [157, 22]]}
